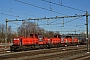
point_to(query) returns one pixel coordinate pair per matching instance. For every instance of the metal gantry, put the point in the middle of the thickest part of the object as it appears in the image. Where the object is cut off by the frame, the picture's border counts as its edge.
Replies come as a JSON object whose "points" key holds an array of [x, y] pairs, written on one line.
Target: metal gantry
{"points": [[87, 31], [50, 18]]}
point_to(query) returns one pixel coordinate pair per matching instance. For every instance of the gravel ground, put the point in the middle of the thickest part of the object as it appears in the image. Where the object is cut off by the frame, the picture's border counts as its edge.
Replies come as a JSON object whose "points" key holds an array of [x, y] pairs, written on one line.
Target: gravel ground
{"points": [[70, 53], [65, 55]]}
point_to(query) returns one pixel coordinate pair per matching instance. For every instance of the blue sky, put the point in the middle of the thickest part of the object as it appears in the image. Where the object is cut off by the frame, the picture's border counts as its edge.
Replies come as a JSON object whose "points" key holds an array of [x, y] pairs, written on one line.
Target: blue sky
{"points": [[23, 9]]}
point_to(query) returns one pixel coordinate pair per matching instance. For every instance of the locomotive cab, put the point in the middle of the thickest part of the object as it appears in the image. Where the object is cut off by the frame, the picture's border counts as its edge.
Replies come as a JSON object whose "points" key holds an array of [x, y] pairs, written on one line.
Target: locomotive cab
{"points": [[17, 41], [40, 37]]}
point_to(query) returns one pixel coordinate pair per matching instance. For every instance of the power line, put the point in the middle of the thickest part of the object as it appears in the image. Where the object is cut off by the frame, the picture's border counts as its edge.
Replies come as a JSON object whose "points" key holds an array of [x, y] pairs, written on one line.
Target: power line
{"points": [[73, 20], [53, 21], [63, 5], [16, 13], [11, 15], [39, 7], [61, 23], [80, 3], [3, 12]]}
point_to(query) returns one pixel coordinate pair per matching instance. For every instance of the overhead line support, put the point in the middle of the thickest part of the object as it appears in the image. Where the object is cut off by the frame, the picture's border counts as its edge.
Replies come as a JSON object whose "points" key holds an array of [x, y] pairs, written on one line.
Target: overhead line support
{"points": [[6, 33], [87, 31], [56, 17]]}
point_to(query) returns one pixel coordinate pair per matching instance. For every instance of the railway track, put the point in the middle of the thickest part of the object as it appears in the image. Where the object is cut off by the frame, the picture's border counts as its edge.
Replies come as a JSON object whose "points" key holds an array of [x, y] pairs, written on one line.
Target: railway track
{"points": [[82, 57], [64, 53]]}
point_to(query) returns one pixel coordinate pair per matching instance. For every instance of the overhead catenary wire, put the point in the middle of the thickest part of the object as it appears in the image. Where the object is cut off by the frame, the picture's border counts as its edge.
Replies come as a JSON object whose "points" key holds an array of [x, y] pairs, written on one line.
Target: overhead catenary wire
{"points": [[12, 11], [12, 15], [39, 7], [60, 23], [6, 14], [73, 20], [80, 3], [59, 26], [64, 6], [86, 7], [53, 21]]}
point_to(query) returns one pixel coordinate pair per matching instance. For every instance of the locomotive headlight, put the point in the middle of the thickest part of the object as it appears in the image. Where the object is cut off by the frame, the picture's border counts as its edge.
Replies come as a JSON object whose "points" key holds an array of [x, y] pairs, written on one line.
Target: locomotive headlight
{"points": [[40, 39]]}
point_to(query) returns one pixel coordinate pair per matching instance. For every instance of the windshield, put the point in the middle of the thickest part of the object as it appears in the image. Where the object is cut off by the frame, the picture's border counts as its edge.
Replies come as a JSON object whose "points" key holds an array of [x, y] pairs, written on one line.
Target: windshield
{"points": [[40, 36]]}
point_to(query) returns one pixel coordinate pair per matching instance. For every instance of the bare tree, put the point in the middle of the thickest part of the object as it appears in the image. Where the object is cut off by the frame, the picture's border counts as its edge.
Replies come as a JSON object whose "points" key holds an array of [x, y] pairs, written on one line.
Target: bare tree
{"points": [[26, 28], [10, 35], [2, 32], [29, 27]]}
